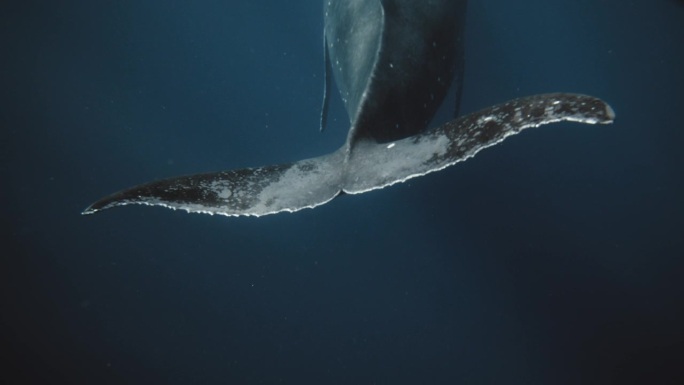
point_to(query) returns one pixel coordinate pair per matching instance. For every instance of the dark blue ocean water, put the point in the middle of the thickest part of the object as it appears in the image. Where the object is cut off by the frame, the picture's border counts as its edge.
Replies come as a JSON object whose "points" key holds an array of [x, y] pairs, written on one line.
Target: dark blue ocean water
{"points": [[556, 257]]}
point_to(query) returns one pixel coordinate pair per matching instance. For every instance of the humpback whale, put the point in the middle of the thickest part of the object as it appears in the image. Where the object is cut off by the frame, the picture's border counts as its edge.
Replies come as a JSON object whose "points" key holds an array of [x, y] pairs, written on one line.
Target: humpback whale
{"points": [[393, 62]]}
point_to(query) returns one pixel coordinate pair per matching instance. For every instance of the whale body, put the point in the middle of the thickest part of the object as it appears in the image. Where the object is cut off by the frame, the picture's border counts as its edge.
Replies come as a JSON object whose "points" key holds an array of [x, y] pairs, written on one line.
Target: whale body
{"points": [[393, 62]]}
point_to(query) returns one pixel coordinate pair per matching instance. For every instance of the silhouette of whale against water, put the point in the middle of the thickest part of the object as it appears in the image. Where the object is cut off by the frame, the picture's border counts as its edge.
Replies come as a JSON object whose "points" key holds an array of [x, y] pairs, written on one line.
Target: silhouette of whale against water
{"points": [[393, 62]]}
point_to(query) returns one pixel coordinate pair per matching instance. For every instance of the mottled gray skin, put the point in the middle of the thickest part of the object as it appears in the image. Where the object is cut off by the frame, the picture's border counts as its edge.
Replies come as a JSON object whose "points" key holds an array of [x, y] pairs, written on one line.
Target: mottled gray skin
{"points": [[312, 182], [393, 61]]}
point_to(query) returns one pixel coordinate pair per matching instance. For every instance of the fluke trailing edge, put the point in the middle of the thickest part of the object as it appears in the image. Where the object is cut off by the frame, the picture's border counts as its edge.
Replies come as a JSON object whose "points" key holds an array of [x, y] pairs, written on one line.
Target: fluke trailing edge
{"points": [[393, 62]]}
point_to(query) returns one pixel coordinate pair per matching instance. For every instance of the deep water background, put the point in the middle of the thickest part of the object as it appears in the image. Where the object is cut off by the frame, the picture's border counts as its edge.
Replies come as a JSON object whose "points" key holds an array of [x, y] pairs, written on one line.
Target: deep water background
{"points": [[556, 257]]}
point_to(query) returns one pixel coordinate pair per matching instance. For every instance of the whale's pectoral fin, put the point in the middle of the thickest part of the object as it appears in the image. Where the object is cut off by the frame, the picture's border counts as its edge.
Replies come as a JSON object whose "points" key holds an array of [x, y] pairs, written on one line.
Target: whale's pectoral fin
{"points": [[359, 166], [250, 191], [374, 166]]}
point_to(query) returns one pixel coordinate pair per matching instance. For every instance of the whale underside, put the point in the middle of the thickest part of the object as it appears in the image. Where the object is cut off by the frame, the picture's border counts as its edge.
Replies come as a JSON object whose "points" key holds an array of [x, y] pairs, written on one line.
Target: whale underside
{"points": [[393, 62]]}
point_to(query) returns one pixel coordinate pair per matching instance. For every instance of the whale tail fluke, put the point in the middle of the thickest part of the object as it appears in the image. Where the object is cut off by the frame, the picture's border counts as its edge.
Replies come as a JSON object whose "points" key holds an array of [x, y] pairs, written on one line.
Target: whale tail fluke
{"points": [[359, 166]]}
